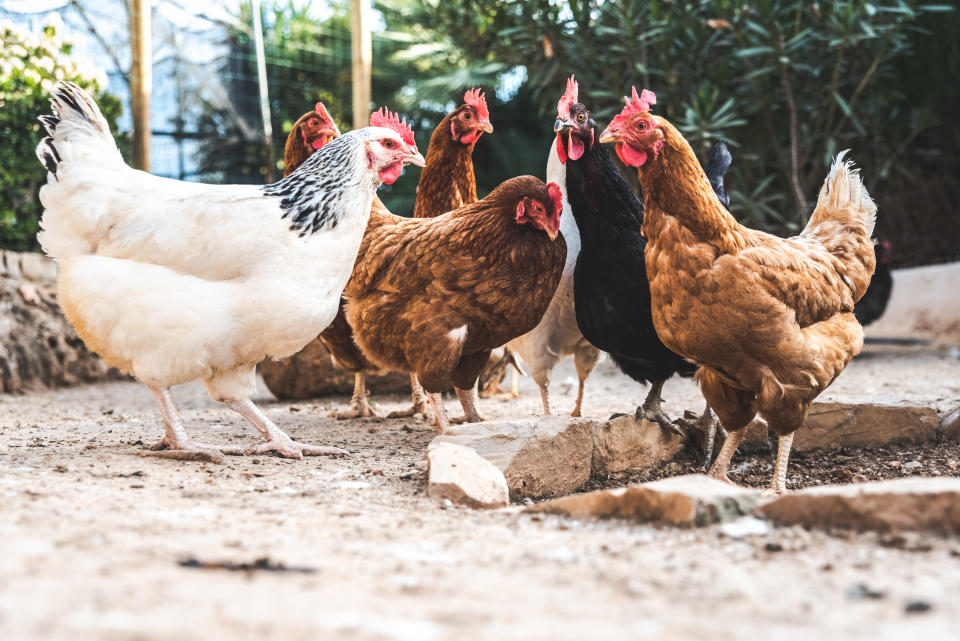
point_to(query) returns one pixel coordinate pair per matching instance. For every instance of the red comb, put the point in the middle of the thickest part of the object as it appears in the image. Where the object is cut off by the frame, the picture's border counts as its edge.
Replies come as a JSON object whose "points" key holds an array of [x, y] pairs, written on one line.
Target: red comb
{"points": [[569, 97], [636, 105], [476, 99], [384, 118], [557, 197], [320, 109]]}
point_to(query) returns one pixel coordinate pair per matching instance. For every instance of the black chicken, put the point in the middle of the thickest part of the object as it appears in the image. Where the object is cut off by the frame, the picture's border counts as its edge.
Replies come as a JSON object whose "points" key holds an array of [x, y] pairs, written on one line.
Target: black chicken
{"points": [[874, 302], [611, 291]]}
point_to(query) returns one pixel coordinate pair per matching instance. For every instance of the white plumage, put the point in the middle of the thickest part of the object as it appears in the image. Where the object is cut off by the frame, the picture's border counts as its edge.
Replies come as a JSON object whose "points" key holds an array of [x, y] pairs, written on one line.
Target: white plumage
{"points": [[557, 335], [174, 281]]}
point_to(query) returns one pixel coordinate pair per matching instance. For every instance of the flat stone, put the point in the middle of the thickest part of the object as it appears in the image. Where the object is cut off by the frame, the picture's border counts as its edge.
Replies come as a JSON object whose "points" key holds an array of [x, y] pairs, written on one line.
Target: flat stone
{"points": [[459, 475], [923, 504], [540, 457], [832, 424], [687, 501]]}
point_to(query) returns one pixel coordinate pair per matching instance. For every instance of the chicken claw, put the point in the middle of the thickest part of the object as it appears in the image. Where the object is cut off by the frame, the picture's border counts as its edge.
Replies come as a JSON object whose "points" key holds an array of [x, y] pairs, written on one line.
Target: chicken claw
{"points": [[359, 405], [295, 450], [651, 411], [277, 440], [419, 405]]}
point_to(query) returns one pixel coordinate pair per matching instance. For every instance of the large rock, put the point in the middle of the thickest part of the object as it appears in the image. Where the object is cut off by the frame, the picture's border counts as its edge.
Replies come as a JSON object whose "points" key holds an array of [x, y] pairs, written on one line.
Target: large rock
{"points": [[832, 424], [628, 445], [540, 457], [689, 501], [547, 456], [38, 347], [931, 504], [949, 428], [310, 373], [460, 475]]}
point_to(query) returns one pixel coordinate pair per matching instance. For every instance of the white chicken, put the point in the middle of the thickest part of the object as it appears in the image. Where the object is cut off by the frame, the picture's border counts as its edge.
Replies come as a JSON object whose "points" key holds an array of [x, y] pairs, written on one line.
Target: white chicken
{"points": [[172, 281], [557, 334]]}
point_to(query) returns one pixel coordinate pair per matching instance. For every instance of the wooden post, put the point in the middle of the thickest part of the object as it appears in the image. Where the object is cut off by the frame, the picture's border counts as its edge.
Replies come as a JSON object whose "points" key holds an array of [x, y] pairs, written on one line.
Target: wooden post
{"points": [[264, 94], [141, 80], [362, 62]]}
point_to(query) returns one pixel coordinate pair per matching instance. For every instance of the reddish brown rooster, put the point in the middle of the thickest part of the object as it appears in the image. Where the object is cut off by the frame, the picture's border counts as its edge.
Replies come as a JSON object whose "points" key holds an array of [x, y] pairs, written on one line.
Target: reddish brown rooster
{"points": [[434, 296]]}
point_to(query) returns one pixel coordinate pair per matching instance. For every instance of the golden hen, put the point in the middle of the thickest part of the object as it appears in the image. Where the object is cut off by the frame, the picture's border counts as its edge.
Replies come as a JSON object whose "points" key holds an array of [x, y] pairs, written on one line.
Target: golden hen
{"points": [[768, 320]]}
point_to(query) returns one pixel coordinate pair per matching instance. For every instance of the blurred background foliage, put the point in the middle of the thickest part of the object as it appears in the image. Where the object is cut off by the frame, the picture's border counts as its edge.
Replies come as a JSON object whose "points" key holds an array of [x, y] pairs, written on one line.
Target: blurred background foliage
{"points": [[30, 65], [787, 83]]}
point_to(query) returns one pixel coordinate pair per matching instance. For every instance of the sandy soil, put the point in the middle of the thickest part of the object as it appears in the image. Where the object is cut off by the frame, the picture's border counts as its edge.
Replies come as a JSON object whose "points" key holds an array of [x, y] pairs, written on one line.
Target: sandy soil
{"points": [[93, 536]]}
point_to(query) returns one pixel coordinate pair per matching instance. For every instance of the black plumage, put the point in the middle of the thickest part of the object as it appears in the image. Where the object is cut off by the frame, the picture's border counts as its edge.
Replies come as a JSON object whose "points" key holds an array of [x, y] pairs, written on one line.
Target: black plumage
{"points": [[874, 301], [611, 291]]}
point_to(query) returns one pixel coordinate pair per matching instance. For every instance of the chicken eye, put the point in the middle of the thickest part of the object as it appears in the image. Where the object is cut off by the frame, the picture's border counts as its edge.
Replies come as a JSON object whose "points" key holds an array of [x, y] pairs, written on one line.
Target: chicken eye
{"points": [[580, 117], [642, 125], [467, 115], [388, 144]]}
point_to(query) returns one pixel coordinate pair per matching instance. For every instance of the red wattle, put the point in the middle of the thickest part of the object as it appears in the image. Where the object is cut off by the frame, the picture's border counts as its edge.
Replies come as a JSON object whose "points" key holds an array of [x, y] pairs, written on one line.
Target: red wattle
{"points": [[470, 137], [630, 156], [561, 150], [390, 174], [576, 146]]}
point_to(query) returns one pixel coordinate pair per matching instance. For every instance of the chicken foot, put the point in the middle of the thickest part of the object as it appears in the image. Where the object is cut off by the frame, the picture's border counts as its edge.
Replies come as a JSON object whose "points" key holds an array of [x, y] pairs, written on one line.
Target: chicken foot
{"points": [[468, 399], [175, 443], [277, 439], [359, 404], [419, 400], [651, 410], [579, 406]]}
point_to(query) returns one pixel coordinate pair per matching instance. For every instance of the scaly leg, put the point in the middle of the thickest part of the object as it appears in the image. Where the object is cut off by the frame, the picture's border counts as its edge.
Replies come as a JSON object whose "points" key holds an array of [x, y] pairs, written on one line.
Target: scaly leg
{"points": [[576, 408], [719, 468], [545, 395], [175, 442], [778, 484], [515, 383], [277, 439], [468, 400], [651, 410], [359, 405], [439, 412], [419, 400]]}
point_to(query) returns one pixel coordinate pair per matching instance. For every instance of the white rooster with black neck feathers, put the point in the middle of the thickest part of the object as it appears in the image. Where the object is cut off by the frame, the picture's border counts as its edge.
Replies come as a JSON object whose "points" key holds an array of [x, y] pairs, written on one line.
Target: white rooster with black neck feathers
{"points": [[173, 281]]}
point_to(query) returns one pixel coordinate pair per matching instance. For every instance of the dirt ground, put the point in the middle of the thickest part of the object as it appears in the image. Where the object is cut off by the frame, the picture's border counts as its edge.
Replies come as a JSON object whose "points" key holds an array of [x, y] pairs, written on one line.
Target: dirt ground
{"points": [[100, 543]]}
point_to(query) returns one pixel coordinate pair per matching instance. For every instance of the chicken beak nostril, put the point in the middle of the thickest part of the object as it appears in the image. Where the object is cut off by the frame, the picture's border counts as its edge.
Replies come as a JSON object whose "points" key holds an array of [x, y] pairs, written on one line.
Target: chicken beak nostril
{"points": [[415, 158], [610, 135]]}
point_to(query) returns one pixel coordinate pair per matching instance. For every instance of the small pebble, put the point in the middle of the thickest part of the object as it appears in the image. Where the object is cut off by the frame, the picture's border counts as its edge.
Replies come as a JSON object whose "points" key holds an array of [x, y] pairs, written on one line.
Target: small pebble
{"points": [[916, 606]]}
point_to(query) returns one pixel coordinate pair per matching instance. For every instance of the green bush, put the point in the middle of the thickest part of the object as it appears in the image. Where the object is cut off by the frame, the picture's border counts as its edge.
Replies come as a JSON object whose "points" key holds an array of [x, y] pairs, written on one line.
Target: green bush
{"points": [[30, 66]]}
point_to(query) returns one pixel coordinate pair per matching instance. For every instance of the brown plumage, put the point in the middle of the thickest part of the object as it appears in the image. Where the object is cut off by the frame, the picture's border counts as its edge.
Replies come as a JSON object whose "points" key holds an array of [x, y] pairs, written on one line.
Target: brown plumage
{"points": [[768, 320], [312, 131], [434, 296], [448, 181]]}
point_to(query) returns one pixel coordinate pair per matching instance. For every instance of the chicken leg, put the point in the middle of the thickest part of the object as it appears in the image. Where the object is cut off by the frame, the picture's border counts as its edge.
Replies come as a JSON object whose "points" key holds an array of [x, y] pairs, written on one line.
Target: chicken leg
{"points": [[175, 442], [439, 412], [651, 410], [277, 439], [778, 484], [545, 396], [719, 468], [419, 405], [579, 406], [359, 405], [468, 400]]}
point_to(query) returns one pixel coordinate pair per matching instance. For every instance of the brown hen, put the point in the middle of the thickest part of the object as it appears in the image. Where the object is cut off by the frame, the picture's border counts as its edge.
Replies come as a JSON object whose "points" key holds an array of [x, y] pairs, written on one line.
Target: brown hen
{"points": [[434, 296], [768, 320]]}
